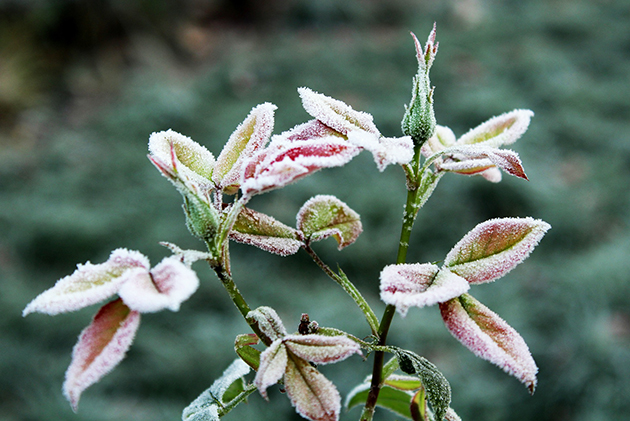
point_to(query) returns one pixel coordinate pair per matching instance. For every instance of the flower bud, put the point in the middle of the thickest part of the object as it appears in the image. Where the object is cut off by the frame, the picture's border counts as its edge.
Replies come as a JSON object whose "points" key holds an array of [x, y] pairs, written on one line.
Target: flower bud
{"points": [[419, 119]]}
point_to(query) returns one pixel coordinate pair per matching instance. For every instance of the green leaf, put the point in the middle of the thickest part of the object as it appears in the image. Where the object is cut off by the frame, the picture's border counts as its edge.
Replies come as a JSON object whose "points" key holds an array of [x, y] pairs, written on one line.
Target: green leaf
{"points": [[418, 406], [265, 232], [243, 348], [323, 216], [437, 388], [395, 400]]}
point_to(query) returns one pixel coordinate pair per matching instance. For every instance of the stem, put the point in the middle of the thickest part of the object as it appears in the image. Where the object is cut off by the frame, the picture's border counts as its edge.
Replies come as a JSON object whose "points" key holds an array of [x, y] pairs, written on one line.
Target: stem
{"points": [[347, 286]]}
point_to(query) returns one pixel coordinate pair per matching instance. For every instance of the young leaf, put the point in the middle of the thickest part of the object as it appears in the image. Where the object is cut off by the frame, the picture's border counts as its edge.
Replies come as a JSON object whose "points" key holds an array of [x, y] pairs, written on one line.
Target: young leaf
{"points": [[495, 247], [276, 167], [418, 406], [489, 337], [250, 136], [312, 129], [268, 321], [389, 398], [167, 285], [101, 346], [336, 114], [321, 349], [206, 406], [273, 363], [442, 138], [313, 395], [501, 130], [474, 159], [385, 150], [323, 216], [243, 348], [89, 284], [437, 388], [263, 231], [419, 285]]}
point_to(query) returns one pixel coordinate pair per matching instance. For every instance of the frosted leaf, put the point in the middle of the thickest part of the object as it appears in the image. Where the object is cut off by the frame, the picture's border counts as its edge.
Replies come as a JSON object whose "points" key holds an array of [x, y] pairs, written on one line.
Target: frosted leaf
{"points": [[323, 216], [321, 349], [268, 321], [395, 400], [312, 129], [402, 382], [336, 114], [167, 285], [313, 395], [182, 160], [101, 346], [451, 415], [442, 138], [504, 129], [250, 136], [489, 337], [188, 257], [419, 285], [88, 285], [273, 362], [385, 150], [495, 247], [474, 159], [277, 167], [205, 407], [263, 231]]}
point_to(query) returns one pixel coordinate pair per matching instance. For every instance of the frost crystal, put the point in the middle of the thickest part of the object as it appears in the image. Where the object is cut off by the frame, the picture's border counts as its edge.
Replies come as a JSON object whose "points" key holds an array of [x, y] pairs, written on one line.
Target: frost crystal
{"points": [[419, 285]]}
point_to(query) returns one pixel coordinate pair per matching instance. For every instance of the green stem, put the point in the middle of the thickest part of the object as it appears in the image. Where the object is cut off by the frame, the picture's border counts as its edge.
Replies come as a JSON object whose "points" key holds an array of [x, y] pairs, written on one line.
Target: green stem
{"points": [[347, 286]]}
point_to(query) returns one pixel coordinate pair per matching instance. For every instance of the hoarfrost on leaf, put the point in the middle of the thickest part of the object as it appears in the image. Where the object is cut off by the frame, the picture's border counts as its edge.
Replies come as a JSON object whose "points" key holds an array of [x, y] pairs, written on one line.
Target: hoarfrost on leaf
{"points": [[321, 349], [419, 285], [494, 247], [503, 129], [268, 321], [489, 337], [263, 231], [273, 363], [101, 346], [385, 150]]}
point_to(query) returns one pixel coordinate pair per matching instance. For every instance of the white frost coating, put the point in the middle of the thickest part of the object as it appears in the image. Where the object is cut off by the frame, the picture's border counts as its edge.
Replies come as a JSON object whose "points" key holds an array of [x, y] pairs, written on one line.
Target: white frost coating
{"points": [[273, 363], [268, 322], [495, 247], [95, 354], [321, 349], [276, 167], [312, 129], [385, 150], [451, 415], [419, 285], [88, 285], [442, 138], [204, 408], [313, 395], [489, 337], [167, 285], [336, 114], [276, 245], [503, 129], [184, 159], [250, 136], [474, 159]]}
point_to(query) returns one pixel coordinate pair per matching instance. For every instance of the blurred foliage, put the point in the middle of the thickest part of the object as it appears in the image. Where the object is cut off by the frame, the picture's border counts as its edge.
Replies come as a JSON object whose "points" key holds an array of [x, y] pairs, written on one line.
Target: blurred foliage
{"points": [[83, 84]]}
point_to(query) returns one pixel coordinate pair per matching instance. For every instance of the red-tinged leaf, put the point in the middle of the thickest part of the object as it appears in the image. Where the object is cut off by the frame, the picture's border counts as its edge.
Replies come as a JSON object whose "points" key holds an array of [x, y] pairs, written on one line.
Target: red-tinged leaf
{"points": [[419, 285], [273, 362], [102, 345], [418, 406], [167, 285], [182, 160], [323, 216], [489, 337], [263, 231], [313, 395], [495, 247], [89, 284], [251, 135], [504, 129], [451, 415], [276, 167], [442, 138], [475, 159], [313, 129], [321, 349], [336, 114], [427, 54], [243, 348]]}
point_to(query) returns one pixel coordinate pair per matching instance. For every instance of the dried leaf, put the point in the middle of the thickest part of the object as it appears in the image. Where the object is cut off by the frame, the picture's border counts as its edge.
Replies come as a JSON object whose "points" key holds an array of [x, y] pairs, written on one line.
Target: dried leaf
{"points": [[419, 285], [250, 136], [321, 349], [336, 114], [323, 216], [167, 285], [313, 395], [89, 284], [501, 130], [495, 247], [273, 362], [101, 346], [489, 337], [263, 231]]}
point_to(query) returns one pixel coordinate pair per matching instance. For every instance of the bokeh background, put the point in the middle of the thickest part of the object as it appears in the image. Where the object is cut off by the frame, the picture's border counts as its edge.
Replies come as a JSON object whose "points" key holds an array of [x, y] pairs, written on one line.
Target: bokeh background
{"points": [[84, 83]]}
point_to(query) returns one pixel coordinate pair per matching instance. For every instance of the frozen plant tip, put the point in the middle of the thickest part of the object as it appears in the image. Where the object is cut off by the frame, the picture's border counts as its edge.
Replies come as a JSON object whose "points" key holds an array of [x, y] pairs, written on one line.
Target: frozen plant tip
{"points": [[217, 200]]}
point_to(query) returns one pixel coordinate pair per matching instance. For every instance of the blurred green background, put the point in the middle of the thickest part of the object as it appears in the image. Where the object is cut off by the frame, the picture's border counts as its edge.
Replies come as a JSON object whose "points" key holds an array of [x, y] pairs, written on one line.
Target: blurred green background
{"points": [[83, 84]]}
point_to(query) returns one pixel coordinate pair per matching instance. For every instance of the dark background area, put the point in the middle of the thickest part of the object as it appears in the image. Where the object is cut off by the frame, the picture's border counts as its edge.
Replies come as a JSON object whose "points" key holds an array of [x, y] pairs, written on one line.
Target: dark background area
{"points": [[83, 84]]}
